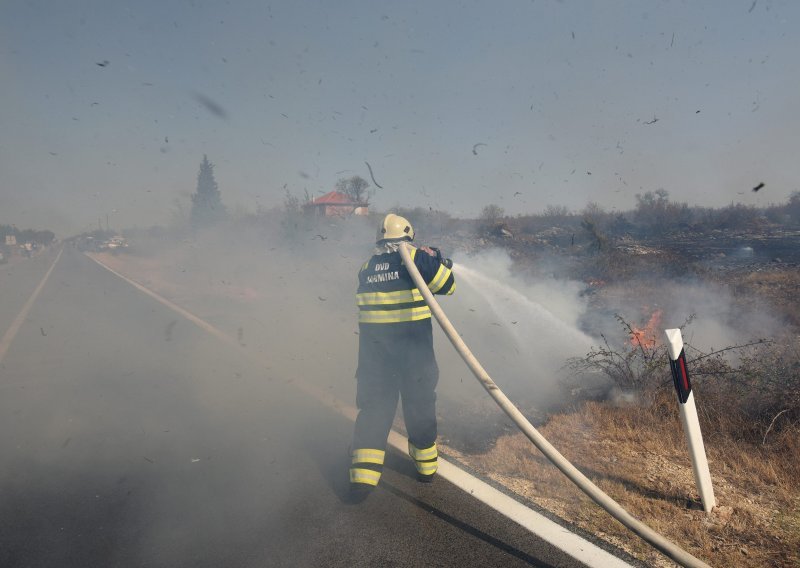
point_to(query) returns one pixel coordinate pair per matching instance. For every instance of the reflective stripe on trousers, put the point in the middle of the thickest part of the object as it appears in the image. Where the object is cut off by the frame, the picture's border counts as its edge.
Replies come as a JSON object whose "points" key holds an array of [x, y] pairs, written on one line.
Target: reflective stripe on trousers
{"points": [[366, 466], [425, 459]]}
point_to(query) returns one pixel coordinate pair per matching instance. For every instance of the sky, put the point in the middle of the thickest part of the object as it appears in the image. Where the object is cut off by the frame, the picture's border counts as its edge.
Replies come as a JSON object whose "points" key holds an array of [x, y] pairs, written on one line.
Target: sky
{"points": [[107, 107]]}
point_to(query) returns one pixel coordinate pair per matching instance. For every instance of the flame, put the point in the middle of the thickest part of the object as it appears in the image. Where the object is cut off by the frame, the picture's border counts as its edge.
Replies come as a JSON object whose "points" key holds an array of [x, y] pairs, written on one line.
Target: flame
{"points": [[647, 336]]}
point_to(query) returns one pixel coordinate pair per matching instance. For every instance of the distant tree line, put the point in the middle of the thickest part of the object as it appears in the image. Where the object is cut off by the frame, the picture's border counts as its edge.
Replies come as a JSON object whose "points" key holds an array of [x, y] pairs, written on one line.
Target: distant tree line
{"points": [[26, 235], [653, 215]]}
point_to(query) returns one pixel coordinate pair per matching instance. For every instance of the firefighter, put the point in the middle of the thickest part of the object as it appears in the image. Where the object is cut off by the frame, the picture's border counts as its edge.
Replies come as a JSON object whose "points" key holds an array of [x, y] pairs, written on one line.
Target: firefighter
{"points": [[395, 355]]}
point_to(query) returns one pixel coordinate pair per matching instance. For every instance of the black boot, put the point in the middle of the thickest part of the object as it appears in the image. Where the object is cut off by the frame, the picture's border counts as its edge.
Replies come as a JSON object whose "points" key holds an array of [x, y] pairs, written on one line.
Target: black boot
{"points": [[359, 492], [425, 478]]}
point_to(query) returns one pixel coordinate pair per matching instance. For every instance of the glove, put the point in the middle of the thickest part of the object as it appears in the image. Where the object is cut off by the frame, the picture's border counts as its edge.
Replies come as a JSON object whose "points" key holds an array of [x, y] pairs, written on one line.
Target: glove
{"points": [[438, 254]]}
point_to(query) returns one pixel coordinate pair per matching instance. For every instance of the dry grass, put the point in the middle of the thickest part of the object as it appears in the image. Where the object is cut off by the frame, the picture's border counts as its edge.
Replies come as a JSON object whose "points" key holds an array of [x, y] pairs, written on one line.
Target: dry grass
{"points": [[778, 287], [637, 454]]}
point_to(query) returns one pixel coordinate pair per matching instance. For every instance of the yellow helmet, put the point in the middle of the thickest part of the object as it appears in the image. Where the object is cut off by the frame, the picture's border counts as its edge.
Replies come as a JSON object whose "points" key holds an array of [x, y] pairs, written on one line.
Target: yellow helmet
{"points": [[395, 228]]}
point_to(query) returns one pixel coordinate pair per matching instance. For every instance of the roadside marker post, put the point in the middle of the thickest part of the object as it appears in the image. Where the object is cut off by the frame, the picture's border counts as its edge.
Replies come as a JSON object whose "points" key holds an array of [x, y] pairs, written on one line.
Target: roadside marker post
{"points": [[691, 424]]}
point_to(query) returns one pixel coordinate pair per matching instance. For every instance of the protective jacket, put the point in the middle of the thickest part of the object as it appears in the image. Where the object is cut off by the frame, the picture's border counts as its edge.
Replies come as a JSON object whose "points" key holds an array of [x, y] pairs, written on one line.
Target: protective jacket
{"points": [[396, 358]]}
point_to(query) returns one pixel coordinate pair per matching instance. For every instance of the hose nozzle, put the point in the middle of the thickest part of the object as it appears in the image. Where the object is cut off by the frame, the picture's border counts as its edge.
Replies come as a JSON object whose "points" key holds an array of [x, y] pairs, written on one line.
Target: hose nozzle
{"points": [[446, 261]]}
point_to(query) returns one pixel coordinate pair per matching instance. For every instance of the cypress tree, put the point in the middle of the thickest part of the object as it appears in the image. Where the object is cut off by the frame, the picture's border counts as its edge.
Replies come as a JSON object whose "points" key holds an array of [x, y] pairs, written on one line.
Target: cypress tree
{"points": [[207, 207]]}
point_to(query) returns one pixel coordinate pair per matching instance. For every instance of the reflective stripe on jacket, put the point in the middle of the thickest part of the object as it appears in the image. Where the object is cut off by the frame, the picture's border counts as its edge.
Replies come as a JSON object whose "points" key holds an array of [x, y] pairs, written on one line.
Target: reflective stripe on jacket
{"points": [[386, 291]]}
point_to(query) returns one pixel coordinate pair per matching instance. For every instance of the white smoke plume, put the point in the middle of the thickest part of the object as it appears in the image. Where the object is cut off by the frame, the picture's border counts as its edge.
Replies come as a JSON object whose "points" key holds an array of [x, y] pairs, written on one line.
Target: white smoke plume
{"points": [[522, 332]]}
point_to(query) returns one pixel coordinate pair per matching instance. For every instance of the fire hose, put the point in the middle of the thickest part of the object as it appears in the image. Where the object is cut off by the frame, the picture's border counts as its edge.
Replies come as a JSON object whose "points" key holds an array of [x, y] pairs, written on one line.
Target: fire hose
{"points": [[656, 540]]}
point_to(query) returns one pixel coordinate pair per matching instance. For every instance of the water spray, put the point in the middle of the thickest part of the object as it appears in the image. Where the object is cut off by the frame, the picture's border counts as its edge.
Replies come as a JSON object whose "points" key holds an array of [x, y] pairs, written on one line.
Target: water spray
{"points": [[519, 304], [653, 538]]}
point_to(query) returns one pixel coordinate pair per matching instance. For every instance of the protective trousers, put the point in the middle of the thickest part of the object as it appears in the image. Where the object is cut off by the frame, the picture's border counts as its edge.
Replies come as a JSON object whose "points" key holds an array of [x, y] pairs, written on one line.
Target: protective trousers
{"points": [[395, 361]]}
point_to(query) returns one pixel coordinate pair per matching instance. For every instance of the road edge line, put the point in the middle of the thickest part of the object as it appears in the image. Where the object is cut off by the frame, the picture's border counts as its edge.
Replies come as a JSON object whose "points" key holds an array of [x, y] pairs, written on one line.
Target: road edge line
{"points": [[202, 324], [548, 530], [12, 331]]}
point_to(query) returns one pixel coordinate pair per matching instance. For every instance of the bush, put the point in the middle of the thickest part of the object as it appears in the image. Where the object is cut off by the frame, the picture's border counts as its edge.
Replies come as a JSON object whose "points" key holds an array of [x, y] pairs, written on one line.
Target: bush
{"points": [[656, 214], [733, 217], [638, 364], [757, 395]]}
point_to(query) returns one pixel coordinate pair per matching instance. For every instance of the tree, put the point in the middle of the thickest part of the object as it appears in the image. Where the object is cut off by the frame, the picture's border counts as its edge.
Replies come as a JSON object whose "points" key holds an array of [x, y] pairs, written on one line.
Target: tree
{"points": [[555, 212], [793, 207], [207, 207], [490, 219], [598, 239], [655, 212], [26, 235], [356, 188], [492, 213]]}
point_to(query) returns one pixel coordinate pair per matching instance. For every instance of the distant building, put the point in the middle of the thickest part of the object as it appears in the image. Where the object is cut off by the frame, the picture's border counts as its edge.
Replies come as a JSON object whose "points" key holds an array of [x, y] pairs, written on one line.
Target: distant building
{"points": [[335, 204]]}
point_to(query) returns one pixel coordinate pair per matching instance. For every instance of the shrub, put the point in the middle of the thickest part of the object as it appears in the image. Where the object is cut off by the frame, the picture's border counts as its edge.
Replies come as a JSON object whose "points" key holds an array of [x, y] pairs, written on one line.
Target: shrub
{"points": [[755, 396]]}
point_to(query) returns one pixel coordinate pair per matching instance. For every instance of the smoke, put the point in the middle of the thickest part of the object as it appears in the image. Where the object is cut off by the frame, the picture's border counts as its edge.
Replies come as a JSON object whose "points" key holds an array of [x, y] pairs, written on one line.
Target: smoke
{"points": [[522, 331], [119, 413], [716, 317]]}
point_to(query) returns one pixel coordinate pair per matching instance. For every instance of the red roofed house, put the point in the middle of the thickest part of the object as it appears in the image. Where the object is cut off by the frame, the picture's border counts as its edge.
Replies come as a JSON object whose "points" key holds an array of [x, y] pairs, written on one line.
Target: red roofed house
{"points": [[336, 204]]}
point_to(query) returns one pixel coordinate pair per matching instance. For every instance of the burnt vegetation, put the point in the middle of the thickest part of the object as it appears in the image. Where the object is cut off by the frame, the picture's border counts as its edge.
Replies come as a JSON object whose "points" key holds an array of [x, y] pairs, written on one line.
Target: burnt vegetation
{"points": [[753, 252]]}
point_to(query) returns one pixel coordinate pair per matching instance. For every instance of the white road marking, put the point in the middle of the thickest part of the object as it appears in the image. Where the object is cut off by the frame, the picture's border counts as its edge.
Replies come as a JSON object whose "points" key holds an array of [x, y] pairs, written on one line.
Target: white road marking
{"points": [[570, 543], [562, 538], [5, 343], [174, 307]]}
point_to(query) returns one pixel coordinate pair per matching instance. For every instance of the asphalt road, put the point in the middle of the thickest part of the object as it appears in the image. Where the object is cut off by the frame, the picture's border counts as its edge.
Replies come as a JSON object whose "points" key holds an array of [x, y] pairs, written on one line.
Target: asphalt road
{"points": [[131, 438]]}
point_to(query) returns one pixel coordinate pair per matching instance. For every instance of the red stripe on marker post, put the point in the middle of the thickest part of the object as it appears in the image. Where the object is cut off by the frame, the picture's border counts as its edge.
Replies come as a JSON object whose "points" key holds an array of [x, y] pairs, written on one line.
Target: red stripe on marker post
{"points": [[684, 374]]}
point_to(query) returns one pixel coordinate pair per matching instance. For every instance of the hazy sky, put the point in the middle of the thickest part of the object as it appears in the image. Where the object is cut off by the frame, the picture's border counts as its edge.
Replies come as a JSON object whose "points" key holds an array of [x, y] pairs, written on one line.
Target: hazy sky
{"points": [[562, 93]]}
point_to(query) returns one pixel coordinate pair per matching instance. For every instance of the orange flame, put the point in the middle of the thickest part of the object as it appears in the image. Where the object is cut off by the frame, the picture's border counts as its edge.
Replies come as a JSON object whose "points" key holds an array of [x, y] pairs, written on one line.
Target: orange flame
{"points": [[646, 336]]}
